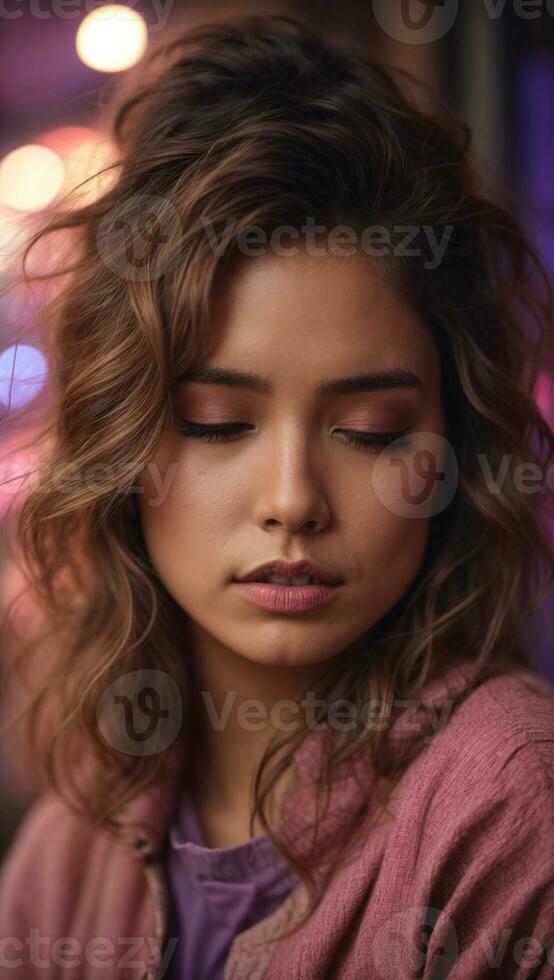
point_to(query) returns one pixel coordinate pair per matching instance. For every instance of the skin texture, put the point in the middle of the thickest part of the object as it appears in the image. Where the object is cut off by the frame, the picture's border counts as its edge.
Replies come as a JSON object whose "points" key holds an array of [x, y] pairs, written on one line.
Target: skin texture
{"points": [[290, 487]]}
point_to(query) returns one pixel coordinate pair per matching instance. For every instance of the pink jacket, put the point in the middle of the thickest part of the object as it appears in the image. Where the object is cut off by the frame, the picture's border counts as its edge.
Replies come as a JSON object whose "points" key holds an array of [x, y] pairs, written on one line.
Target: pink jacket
{"points": [[458, 881]]}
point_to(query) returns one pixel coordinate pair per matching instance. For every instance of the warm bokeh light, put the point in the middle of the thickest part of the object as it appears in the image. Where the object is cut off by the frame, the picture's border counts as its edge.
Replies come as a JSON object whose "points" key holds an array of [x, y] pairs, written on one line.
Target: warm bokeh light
{"points": [[14, 468], [30, 177], [23, 372], [84, 162], [13, 232], [21, 456], [84, 152], [112, 38]]}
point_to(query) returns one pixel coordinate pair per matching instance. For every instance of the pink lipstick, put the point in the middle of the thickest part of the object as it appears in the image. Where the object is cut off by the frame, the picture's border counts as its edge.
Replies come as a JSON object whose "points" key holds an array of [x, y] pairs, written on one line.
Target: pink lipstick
{"points": [[287, 598]]}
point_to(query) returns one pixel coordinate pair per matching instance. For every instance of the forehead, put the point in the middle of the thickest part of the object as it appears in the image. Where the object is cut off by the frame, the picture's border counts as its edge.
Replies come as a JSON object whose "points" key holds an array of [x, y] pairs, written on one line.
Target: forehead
{"points": [[311, 314]]}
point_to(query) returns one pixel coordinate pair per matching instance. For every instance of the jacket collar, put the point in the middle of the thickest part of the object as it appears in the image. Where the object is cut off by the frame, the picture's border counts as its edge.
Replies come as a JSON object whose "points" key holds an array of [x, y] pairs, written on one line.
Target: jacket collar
{"points": [[146, 819]]}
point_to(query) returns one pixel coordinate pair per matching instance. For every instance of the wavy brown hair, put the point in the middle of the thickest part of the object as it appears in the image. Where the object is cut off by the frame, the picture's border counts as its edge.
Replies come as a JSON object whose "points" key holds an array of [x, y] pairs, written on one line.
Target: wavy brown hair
{"points": [[264, 123]]}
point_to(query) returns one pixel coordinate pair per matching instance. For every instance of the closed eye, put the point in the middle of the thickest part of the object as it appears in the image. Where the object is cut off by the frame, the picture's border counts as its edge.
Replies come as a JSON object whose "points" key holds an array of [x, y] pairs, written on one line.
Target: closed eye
{"points": [[211, 433], [374, 440], [224, 433]]}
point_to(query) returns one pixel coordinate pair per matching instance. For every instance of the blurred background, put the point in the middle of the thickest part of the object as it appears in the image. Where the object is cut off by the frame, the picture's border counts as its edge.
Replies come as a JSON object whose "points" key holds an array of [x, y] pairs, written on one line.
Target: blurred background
{"points": [[492, 61]]}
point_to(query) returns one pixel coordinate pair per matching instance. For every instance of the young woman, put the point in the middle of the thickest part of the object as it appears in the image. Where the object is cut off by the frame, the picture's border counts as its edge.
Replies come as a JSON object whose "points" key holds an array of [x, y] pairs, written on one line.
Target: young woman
{"points": [[281, 703]]}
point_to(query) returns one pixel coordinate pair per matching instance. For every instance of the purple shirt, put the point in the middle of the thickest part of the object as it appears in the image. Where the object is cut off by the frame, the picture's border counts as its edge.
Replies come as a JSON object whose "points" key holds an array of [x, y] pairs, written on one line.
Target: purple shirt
{"points": [[216, 893]]}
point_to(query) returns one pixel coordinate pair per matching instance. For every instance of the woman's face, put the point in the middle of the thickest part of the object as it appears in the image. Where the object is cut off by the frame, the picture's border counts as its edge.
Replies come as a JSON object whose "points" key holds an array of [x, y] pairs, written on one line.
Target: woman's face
{"points": [[291, 484]]}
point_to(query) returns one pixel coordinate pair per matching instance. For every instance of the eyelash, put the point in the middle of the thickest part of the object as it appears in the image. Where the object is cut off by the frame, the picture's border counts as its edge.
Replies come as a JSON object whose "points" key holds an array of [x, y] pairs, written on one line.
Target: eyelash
{"points": [[373, 441]]}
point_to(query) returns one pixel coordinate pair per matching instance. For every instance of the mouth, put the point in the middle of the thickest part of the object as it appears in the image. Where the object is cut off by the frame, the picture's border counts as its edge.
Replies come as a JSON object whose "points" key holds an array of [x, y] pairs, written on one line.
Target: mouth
{"points": [[290, 596], [290, 574], [293, 581]]}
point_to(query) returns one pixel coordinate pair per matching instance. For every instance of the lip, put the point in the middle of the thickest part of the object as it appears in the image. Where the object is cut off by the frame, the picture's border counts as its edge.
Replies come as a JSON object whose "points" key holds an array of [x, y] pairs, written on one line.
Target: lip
{"points": [[288, 569], [288, 599]]}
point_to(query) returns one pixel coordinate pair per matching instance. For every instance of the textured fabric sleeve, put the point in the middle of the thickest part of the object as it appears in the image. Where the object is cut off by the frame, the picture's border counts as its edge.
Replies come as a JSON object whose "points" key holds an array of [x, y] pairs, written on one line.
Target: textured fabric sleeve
{"points": [[21, 881], [40, 878], [490, 876]]}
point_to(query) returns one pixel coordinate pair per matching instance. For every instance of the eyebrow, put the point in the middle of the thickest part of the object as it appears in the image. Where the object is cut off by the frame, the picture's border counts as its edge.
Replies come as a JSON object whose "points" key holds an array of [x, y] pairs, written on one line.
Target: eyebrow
{"points": [[393, 377]]}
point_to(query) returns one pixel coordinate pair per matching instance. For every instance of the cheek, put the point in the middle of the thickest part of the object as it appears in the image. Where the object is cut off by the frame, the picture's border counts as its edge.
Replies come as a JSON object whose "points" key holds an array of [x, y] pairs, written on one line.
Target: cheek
{"points": [[390, 550], [185, 515]]}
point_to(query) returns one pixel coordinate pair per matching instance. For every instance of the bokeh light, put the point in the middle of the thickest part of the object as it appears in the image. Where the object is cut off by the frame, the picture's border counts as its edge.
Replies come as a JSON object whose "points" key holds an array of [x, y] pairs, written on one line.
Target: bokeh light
{"points": [[23, 372], [84, 162], [84, 152], [30, 177], [13, 233], [112, 38], [14, 469]]}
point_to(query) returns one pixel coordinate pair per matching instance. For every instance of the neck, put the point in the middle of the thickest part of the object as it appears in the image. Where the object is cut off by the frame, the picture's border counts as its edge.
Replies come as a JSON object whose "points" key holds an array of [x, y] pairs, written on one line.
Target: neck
{"points": [[239, 706]]}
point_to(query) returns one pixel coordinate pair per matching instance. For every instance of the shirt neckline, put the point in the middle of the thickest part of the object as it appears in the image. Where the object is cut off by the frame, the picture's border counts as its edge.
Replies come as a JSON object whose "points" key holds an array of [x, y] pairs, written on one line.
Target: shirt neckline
{"points": [[235, 863]]}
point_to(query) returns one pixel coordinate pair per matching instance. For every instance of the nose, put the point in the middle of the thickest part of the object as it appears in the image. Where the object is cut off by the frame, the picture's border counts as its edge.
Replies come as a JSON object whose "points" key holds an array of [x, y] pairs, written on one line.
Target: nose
{"points": [[292, 494]]}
